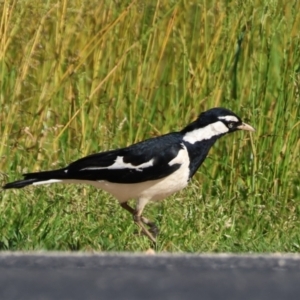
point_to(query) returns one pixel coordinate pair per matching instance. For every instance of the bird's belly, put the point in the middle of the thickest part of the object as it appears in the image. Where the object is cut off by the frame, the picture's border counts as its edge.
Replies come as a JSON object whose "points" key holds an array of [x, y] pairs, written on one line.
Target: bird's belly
{"points": [[154, 190]]}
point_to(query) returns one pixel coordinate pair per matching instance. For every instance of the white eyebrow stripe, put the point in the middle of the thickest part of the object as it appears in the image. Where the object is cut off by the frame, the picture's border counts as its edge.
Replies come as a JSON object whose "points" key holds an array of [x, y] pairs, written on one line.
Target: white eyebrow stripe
{"points": [[205, 133], [229, 118], [119, 164]]}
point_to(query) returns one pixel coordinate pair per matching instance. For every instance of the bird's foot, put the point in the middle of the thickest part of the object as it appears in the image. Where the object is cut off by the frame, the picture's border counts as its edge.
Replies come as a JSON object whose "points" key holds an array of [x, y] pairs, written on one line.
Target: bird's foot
{"points": [[153, 229], [152, 232], [152, 226]]}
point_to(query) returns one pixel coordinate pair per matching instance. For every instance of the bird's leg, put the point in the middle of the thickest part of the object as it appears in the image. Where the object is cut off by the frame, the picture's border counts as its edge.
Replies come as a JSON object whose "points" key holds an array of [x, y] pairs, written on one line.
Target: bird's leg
{"points": [[153, 228], [140, 221]]}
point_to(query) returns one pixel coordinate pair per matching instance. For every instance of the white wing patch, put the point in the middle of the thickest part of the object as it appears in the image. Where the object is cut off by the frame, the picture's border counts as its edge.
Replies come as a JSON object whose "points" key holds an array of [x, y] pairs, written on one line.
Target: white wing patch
{"points": [[47, 181], [229, 118], [181, 157], [205, 133], [119, 164]]}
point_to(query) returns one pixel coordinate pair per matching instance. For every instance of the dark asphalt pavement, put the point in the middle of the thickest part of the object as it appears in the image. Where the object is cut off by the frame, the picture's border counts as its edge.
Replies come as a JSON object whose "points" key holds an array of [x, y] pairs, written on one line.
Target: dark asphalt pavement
{"points": [[129, 276]]}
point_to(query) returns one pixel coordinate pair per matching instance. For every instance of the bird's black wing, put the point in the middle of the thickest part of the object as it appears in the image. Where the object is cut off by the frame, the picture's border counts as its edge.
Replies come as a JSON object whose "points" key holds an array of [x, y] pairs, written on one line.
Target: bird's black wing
{"points": [[147, 160]]}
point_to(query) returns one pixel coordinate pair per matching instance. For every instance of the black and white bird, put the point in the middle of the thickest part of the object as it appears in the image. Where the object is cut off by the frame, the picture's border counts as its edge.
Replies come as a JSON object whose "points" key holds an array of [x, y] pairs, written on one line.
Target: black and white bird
{"points": [[149, 170]]}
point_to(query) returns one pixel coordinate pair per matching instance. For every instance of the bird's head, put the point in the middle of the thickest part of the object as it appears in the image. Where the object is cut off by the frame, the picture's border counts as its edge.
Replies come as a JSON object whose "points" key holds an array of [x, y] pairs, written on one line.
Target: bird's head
{"points": [[214, 123], [231, 121]]}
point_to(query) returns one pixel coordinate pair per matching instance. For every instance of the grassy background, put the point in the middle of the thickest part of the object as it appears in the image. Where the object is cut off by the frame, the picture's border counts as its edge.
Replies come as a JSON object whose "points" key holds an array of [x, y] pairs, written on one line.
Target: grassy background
{"points": [[78, 77]]}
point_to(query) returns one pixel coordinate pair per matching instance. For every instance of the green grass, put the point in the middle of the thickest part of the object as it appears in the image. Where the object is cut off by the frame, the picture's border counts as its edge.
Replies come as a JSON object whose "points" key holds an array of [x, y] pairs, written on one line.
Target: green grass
{"points": [[78, 77]]}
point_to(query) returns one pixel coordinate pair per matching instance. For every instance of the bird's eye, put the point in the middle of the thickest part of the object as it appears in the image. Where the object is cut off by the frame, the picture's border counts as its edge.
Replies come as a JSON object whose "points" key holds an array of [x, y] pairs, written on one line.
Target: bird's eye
{"points": [[230, 125]]}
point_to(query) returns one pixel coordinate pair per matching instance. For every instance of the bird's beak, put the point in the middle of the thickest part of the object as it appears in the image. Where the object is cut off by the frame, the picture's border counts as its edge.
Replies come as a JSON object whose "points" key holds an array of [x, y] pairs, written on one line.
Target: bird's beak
{"points": [[245, 126]]}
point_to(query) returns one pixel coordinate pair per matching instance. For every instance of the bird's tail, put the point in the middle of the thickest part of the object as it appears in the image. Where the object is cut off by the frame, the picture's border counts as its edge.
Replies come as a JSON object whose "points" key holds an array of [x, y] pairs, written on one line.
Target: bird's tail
{"points": [[37, 178]]}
